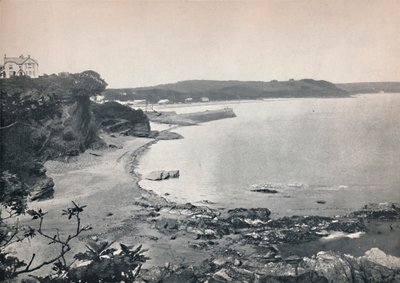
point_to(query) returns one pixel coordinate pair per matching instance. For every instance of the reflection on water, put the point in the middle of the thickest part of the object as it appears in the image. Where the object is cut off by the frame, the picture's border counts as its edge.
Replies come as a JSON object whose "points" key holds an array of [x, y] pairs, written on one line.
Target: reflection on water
{"points": [[342, 151]]}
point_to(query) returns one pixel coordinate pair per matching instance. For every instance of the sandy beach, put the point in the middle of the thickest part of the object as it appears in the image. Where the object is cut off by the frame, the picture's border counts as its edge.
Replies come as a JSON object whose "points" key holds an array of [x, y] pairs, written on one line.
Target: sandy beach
{"points": [[104, 181]]}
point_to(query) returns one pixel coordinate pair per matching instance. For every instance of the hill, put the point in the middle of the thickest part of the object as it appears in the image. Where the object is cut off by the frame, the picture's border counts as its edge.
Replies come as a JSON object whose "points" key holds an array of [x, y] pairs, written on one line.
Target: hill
{"points": [[370, 87], [227, 90]]}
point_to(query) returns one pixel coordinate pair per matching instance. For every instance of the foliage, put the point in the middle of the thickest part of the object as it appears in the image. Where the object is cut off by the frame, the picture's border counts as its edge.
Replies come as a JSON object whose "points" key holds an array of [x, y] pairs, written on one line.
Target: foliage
{"points": [[88, 83], [104, 263], [108, 264], [13, 192], [114, 110]]}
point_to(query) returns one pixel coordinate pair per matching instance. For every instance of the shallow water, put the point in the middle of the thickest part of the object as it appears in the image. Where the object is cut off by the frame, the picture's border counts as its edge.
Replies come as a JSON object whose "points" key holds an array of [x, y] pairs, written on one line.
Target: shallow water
{"points": [[345, 151]]}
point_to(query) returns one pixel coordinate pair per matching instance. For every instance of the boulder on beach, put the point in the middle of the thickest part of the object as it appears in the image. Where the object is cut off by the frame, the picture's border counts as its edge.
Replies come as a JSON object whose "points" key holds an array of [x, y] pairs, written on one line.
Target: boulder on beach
{"points": [[162, 175], [173, 173], [157, 175]]}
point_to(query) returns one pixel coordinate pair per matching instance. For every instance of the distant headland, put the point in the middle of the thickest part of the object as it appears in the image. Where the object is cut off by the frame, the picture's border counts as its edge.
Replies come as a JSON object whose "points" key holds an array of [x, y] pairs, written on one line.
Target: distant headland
{"points": [[210, 90]]}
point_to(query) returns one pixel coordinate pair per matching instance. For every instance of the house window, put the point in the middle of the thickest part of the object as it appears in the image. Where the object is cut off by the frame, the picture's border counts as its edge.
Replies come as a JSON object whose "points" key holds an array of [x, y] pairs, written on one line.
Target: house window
{"points": [[10, 67]]}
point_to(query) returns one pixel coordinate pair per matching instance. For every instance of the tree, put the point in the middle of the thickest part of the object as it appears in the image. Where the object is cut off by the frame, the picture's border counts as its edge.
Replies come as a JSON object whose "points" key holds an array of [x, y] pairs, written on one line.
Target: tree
{"points": [[87, 83]]}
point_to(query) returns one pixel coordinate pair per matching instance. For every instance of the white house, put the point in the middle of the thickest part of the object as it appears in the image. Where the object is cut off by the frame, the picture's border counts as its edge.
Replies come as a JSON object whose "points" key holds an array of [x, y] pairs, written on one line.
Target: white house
{"points": [[20, 66], [205, 99], [188, 100]]}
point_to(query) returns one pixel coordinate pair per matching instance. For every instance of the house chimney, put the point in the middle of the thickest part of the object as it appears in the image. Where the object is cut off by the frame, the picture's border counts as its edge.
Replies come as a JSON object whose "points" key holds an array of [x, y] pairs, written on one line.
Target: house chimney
{"points": [[29, 56], [21, 56]]}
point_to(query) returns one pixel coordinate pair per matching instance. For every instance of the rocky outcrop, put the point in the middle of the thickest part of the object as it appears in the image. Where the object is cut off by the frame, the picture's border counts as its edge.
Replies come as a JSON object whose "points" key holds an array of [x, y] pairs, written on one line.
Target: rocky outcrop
{"points": [[165, 135], [46, 118], [113, 117], [323, 267], [374, 266], [246, 245], [382, 211]]}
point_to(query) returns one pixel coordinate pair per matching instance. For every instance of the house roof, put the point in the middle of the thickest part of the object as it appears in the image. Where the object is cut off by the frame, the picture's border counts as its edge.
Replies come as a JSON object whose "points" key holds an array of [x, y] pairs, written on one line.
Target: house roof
{"points": [[18, 60]]}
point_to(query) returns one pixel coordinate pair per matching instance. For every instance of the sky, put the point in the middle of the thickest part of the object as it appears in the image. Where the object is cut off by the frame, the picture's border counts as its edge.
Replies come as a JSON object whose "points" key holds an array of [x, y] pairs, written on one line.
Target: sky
{"points": [[143, 43]]}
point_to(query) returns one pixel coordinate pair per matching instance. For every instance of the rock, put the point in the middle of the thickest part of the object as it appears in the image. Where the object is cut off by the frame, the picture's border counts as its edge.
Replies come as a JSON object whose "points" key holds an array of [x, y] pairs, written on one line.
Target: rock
{"points": [[222, 274], [237, 262], [321, 201], [162, 175], [337, 267], [219, 261], [243, 218], [377, 256], [252, 213], [173, 174], [109, 214], [322, 233], [293, 259], [154, 274], [330, 265], [94, 238], [383, 211], [167, 135], [165, 224], [157, 175], [113, 117], [307, 277], [265, 191]]}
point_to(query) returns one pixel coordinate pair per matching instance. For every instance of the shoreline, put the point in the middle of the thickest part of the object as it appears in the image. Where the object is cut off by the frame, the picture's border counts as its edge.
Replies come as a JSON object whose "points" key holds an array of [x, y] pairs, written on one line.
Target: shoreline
{"points": [[180, 235]]}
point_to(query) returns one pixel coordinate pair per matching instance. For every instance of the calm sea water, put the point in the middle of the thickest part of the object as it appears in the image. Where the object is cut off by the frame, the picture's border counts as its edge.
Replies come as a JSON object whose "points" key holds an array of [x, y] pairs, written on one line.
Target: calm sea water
{"points": [[342, 151]]}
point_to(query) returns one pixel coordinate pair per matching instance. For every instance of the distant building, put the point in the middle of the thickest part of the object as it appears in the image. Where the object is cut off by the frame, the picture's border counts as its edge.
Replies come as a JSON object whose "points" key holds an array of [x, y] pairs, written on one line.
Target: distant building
{"points": [[188, 100], [205, 99], [20, 66], [163, 101]]}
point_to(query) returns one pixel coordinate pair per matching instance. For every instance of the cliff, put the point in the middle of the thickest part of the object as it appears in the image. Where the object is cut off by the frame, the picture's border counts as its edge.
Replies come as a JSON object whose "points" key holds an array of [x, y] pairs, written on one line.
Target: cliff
{"points": [[228, 90], [50, 118], [113, 117]]}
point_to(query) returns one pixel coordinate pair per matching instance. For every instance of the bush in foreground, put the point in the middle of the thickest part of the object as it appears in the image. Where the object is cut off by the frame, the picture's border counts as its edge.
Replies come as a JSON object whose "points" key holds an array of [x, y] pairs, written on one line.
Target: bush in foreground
{"points": [[103, 262]]}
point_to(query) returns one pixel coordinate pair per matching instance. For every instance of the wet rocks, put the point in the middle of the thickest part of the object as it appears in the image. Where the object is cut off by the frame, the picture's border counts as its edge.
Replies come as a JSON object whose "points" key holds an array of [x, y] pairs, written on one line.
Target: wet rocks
{"points": [[167, 224], [377, 256], [265, 191], [381, 211], [168, 274], [162, 175], [244, 218], [165, 135], [307, 277], [337, 267]]}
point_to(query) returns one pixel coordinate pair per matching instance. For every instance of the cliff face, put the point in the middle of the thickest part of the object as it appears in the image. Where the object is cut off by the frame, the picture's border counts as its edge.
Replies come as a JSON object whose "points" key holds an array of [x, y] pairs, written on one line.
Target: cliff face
{"points": [[113, 117], [45, 118]]}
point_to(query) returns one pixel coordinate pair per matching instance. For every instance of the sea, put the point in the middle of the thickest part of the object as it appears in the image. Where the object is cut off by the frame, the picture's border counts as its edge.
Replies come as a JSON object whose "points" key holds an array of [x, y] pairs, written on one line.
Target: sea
{"points": [[322, 156]]}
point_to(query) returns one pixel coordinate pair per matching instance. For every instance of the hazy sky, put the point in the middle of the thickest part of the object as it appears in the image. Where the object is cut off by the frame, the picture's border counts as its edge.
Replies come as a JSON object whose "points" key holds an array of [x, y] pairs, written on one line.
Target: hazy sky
{"points": [[137, 43]]}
